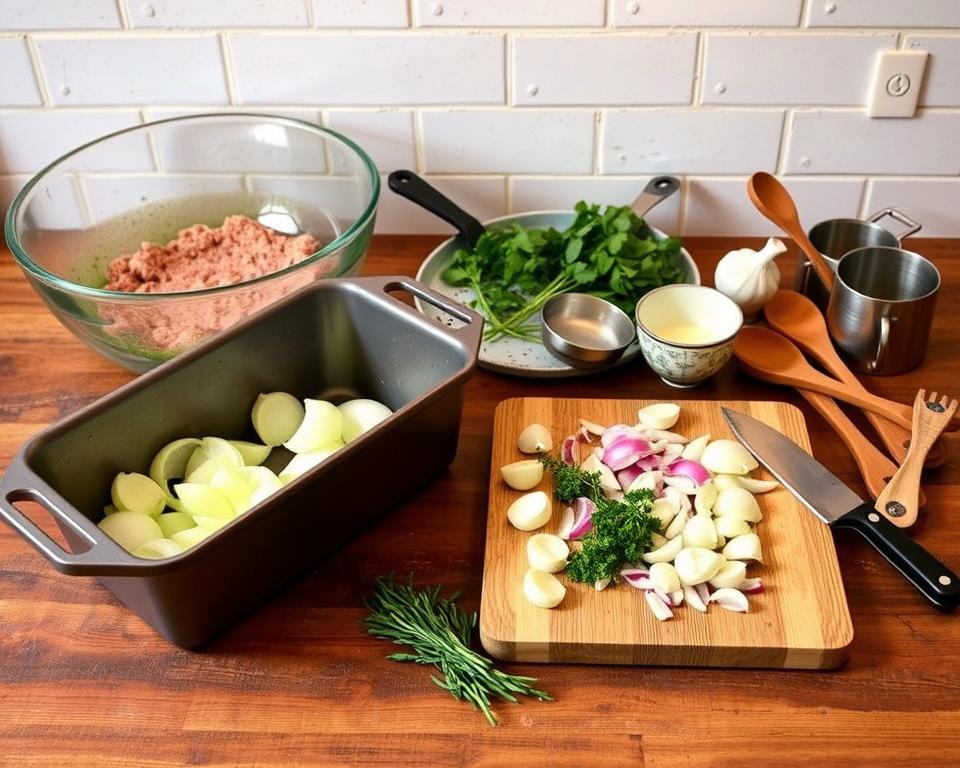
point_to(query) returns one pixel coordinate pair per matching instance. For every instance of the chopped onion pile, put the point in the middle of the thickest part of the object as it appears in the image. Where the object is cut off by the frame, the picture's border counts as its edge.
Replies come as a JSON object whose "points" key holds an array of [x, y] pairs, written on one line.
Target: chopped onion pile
{"points": [[223, 479], [705, 505]]}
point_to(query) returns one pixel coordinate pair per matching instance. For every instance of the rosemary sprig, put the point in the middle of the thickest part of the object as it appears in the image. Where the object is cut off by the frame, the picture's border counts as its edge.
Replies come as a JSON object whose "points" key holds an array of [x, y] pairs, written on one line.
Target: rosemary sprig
{"points": [[439, 634]]}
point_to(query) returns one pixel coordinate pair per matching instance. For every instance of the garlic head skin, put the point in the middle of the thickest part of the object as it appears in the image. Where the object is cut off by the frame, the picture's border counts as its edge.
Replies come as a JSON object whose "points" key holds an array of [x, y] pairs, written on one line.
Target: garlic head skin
{"points": [[750, 278]]}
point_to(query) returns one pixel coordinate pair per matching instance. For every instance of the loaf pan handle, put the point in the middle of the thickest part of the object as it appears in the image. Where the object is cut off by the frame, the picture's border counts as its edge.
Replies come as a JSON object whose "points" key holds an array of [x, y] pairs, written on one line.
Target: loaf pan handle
{"points": [[472, 330], [20, 483]]}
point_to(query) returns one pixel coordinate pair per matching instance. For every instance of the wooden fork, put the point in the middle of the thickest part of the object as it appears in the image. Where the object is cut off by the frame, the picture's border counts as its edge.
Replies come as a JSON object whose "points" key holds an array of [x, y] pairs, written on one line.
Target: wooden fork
{"points": [[930, 417]]}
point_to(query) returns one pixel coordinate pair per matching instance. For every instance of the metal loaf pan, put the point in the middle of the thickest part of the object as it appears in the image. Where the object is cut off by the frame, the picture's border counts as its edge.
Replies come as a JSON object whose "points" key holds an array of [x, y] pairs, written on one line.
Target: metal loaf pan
{"points": [[335, 339]]}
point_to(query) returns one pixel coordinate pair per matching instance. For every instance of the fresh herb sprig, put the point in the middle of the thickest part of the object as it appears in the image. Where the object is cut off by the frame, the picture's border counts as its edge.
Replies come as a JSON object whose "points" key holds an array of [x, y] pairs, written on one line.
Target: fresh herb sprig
{"points": [[439, 633], [514, 270], [622, 529]]}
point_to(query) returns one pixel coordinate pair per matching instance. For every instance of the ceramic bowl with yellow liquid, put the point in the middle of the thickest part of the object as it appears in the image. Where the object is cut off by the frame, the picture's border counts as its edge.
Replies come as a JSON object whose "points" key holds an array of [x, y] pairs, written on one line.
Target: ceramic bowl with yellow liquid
{"points": [[687, 332]]}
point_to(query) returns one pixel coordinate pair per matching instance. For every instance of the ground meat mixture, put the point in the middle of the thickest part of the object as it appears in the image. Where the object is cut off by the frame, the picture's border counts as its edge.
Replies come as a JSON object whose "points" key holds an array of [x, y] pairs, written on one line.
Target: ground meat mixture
{"points": [[204, 257]]}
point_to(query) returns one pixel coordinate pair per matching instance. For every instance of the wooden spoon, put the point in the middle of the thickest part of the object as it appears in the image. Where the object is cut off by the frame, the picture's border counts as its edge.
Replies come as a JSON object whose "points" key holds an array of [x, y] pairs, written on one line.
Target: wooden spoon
{"points": [[775, 358], [772, 200], [875, 468], [798, 318], [900, 497]]}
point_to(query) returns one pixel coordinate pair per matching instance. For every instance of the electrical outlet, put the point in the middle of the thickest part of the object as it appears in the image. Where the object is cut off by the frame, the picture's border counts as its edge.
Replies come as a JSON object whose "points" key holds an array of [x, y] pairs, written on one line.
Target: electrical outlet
{"points": [[897, 78]]}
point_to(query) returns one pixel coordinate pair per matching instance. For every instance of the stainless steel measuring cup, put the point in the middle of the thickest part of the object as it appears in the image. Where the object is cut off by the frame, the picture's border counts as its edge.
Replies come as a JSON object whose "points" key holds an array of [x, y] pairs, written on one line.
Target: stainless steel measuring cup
{"points": [[835, 237], [881, 308]]}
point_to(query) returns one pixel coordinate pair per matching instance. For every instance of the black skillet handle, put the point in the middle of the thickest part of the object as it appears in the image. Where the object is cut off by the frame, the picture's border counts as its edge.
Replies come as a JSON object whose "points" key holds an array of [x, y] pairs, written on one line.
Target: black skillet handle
{"points": [[407, 184], [932, 578]]}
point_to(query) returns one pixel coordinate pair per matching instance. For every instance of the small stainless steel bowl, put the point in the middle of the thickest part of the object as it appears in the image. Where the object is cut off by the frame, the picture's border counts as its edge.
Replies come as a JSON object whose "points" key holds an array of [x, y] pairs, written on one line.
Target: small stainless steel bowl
{"points": [[584, 331]]}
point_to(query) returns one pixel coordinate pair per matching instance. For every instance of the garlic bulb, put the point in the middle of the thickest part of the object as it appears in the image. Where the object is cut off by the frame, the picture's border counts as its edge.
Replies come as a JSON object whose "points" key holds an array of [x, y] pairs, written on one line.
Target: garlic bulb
{"points": [[750, 277]]}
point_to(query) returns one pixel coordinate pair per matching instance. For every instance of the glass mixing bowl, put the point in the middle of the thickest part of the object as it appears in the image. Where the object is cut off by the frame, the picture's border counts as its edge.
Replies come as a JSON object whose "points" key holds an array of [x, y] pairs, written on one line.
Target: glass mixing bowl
{"points": [[148, 182]]}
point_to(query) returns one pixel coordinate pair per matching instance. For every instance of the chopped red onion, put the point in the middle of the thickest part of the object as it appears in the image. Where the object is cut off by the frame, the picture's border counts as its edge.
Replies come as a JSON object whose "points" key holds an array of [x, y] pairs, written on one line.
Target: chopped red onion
{"points": [[752, 586], [582, 517], [566, 523], [698, 473], [659, 607], [570, 451]]}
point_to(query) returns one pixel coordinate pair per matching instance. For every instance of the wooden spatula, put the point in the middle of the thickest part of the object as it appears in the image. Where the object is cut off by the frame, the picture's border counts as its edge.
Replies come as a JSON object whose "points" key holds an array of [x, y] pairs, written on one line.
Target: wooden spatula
{"points": [[799, 319], [930, 417]]}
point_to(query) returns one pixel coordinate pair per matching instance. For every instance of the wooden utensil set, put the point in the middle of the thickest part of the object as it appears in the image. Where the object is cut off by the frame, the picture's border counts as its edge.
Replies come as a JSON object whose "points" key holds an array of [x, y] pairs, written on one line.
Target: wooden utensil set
{"points": [[912, 436]]}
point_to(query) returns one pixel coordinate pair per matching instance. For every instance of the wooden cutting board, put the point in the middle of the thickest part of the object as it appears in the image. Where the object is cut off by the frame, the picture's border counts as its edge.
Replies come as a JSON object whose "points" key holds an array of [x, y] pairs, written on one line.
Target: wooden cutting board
{"points": [[800, 620]]}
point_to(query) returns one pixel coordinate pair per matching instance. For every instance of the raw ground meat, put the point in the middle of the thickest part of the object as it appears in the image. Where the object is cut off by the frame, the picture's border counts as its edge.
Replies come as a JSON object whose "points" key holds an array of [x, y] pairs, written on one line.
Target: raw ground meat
{"points": [[203, 257]]}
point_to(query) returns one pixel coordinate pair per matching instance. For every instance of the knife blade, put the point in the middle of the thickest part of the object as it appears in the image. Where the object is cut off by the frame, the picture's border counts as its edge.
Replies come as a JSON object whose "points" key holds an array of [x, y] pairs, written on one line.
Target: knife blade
{"points": [[835, 504]]}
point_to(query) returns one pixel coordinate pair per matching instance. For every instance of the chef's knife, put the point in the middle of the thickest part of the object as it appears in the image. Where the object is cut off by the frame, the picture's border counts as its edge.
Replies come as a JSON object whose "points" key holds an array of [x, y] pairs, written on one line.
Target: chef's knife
{"points": [[836, 505]]}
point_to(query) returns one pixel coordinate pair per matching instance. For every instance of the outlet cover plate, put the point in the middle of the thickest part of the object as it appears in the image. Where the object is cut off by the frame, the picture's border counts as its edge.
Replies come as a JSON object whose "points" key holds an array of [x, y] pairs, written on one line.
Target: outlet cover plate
{"points": [[897, 78]]}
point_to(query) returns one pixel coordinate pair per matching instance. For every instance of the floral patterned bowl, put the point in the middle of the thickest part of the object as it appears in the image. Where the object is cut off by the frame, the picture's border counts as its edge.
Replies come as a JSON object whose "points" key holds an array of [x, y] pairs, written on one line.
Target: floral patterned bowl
{"points": [[687, 332]]}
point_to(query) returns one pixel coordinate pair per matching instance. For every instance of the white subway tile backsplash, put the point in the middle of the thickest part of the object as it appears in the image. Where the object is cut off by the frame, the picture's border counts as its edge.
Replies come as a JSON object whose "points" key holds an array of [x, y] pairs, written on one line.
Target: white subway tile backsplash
{"points": [[112, 196], [360, 13], [57, 206], [484, 198], [883, 13], [18, 86], [721, 206], [217, 13], [687, 141], [30, 140], [142, 70], [24, 15], [941, 85], [706, 13], [851, 142], [935, 203], [368, 69], [508, 142], [790, 69], [509, 13], [546, 194], [386, 136], [604, 69]]}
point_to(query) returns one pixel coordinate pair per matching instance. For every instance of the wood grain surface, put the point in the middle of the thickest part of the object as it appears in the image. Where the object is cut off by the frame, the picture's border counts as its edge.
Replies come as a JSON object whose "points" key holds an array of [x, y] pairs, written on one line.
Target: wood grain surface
{"points": [[83, 682], [799, 621]]}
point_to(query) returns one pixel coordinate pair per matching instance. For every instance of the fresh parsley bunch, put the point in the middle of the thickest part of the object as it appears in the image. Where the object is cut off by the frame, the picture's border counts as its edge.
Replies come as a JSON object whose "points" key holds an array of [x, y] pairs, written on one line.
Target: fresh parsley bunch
{"points": [[514, 270]]}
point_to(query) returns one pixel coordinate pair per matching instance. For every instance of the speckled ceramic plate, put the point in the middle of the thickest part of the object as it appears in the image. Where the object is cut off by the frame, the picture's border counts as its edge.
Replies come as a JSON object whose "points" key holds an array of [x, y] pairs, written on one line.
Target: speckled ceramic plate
{"points": [[514, 356]]}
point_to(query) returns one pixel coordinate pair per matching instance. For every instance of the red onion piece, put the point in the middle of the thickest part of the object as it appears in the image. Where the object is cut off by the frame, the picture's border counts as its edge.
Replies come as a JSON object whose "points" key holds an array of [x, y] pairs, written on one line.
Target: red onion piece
{"points": [[660, 609], [731, 599], [698, 473], [703, 591], [582, 517], [692, 596], [667, 599], [652, 481], [625, 450], [628, 475], [584, 435], [612, 433], [752, 586], [649, 463], [570, 451], [682, 483], [592, 427]]}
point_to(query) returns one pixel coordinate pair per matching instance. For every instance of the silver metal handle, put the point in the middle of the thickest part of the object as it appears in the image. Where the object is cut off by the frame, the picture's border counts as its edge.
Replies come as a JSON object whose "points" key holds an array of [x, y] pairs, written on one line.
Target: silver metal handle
{"points": [[912, 225], [658, 189], [882, 344]]}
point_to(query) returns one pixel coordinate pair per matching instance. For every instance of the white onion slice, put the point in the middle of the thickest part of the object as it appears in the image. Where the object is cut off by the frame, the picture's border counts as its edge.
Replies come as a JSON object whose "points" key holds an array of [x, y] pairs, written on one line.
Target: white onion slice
{"points": [[738, 502], [679, 522], [723, 482], [754, 485], [592, 427], [522, 475], [276, 417], [731, 574], [322, 425], [730, 526], [131, 530], [700, 531], [157, 549], [694, 449], [697, 564], [566, 523], [360, 416], [728, 457], [214, 448], [659, 415], [666, 553], [608, 480], [190, 537], [254, 454], [171, 461], [746, 547], [174, 522], [664, 577], [665, 510], [543, 589], [535, 438], [731, 599], [135, 492], [198, 499], [705, 498], [546, 552], [304, 462], [530, 511], [235, 487], [602, 584]]}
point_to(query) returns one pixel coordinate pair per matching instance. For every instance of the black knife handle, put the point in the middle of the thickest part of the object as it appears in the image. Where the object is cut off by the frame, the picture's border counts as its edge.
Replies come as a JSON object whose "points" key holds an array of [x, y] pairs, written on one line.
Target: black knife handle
{"points": [[933, 579]]}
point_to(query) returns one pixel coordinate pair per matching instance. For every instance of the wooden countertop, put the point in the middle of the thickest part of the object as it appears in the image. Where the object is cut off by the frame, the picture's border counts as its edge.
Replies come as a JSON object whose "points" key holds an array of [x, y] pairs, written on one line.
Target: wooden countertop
{"points": [[83, 682]]}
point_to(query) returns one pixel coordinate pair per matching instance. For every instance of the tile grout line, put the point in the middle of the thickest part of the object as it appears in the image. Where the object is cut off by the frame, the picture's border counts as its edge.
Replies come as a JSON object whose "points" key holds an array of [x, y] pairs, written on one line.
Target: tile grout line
{"points": [[226, 61], [38, 74]]}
